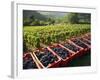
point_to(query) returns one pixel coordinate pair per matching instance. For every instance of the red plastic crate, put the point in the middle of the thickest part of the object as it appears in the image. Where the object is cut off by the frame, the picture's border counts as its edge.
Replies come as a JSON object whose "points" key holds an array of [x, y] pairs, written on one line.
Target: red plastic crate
{"points": [[63, 61], [28, 55], [83, 40], [85, 49], [52, 65], [74, 54]]}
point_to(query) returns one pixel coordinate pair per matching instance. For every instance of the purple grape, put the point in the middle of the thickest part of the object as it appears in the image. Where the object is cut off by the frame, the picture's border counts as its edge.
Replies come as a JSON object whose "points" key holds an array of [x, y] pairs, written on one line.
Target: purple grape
{"points": [[61, 52], [71, 47], [46, 57], [79, 43], [29, 64]]}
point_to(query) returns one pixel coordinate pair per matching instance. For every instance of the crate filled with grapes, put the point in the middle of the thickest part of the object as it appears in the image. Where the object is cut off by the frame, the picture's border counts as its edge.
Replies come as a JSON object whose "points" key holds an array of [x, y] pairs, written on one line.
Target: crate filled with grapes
{"points": [[85, 41], [47, 58], [72, 48], [29, 62], [63, 53], [80, 44]]}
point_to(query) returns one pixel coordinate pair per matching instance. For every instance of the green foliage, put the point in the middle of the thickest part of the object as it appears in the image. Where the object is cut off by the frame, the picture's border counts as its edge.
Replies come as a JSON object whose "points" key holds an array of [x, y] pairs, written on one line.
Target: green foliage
{"points": [[35, 22], [32, 18], [26, 22], [84, 18], [33, 36], [48, 39], [37, 42], [73, 18]]}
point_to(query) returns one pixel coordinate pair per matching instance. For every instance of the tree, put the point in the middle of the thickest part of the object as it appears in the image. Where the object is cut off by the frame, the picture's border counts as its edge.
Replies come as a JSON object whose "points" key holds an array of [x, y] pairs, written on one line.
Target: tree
{"points": [[32, 18], [36, 22], [26, 22], [50, 21], [64, 19], [73, 18], [84, 18], [42, 23]]}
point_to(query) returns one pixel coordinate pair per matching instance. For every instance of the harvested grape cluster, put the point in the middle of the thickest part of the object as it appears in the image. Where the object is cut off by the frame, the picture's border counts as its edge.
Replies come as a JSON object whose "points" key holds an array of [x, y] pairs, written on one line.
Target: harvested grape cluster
{"points": [[29, 63], [79, 43], [71, 47], [46, 57], [85, 41], [61, 52]]}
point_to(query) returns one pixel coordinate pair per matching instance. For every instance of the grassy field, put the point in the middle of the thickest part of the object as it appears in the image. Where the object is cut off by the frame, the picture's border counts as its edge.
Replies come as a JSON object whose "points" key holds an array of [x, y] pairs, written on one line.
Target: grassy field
{"points": [[34, 35]]}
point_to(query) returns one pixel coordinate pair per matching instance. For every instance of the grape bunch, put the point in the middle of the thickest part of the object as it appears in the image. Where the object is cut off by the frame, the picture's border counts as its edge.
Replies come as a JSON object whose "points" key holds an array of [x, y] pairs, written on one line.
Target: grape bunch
{"points": [[29, 63], [46, 57], [71, 47], [79, 43], [85, 41], [61, 52]]}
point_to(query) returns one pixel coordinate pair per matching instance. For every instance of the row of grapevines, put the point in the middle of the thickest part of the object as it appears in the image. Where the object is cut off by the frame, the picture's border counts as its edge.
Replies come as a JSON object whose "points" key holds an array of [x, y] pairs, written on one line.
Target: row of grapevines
{"points": [[34, 35]]}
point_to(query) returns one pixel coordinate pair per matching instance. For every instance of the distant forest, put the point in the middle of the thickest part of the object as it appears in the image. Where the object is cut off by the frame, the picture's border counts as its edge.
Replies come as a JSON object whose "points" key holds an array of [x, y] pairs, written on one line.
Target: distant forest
{"points": [[37, 18]]}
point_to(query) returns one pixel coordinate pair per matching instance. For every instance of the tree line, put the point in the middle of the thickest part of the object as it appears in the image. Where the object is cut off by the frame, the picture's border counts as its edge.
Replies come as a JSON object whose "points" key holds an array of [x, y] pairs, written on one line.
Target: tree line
{"points": [[71, 18]]}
